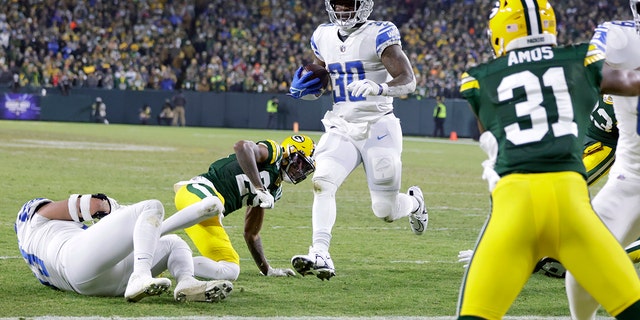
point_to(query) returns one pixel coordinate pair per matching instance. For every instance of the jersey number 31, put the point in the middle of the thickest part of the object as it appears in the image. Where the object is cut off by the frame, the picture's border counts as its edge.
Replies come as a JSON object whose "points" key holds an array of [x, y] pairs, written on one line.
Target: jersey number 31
{"points": [[532, 108]]}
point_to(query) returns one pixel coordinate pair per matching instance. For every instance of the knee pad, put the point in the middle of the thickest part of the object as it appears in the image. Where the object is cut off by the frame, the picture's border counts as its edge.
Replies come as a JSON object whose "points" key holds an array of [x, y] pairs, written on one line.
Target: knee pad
{"points": [[211, 206], [155, 208], [383, 166], [322, 186]]}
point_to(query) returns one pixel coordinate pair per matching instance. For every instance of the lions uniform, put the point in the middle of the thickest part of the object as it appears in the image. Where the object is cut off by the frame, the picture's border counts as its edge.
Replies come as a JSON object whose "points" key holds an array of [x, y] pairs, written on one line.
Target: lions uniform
{"points": [[226, 180], [361, 128], [618, 202], [40, 240], [600, 140], [525, 100], [357, 58], [115, 256]]}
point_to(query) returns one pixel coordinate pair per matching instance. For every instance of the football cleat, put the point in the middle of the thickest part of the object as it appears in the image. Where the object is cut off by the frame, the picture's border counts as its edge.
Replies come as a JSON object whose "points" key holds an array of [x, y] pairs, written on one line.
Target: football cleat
{"points": [[202, 291], [551, 268], [418, 219], [140, 287], [317, 262]]}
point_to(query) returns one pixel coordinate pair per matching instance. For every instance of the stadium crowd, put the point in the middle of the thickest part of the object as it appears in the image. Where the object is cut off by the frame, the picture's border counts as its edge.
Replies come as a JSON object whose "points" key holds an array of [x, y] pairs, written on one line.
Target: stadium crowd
{"points": [[241, 46]]}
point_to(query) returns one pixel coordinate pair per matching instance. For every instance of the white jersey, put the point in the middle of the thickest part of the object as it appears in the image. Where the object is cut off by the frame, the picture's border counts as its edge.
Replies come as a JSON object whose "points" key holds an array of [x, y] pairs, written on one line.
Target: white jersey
{"points": [[620, 43], [42, 244], [357, 58], [40, 240]]}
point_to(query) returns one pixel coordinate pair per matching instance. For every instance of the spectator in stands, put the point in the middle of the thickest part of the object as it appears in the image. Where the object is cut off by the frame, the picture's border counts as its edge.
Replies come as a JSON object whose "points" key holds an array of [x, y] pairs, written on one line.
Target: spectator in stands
{"points": [[231, 38], [65, 84], [15, 83]]}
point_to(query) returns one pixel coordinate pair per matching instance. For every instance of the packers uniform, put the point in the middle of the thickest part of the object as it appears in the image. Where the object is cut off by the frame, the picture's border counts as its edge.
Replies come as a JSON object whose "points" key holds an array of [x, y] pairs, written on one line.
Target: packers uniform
{"points": [[226, 180], [541, 205], [600, 140]]}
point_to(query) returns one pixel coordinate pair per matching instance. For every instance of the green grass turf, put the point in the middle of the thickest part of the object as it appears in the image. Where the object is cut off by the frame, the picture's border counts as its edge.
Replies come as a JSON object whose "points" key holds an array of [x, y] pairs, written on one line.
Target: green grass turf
{"points": [[382, 269]]}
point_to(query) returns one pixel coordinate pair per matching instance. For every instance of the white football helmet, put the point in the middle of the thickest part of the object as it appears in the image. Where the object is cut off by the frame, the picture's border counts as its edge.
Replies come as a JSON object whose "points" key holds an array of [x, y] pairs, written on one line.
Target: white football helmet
{"points": [[635, 10], [351, 12]]}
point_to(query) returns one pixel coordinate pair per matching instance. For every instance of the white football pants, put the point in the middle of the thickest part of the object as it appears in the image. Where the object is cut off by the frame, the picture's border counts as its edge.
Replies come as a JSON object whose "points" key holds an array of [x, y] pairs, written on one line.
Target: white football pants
{"points": [[338, 155], [618, 205], [100, 260]]}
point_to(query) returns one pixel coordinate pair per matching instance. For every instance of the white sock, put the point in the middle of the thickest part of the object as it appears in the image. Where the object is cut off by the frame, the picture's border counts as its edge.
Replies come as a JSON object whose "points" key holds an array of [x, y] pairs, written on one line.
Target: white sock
{"points": [[323, 215], [180, 263], [581, 304], [197, 212], [215, 270], [145, 237]]}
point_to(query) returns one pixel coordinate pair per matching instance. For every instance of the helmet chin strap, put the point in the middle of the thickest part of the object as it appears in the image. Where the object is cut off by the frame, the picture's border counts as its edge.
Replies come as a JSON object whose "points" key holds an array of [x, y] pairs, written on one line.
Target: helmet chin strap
{"points": [[344, 32]]}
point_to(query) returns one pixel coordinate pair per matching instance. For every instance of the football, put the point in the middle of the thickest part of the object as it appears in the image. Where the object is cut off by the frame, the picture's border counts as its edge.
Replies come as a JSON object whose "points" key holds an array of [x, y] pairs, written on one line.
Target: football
{"points": [[318, 72]]}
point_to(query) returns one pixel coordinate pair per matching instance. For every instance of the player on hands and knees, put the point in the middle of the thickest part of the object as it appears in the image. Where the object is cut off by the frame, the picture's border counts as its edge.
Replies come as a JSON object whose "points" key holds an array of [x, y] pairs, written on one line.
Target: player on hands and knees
{"points": [[251, 177], [368, 68]]}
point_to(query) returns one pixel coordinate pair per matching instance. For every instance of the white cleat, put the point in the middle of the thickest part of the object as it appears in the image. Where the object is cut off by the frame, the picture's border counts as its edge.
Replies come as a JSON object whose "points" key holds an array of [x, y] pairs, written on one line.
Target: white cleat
{"points": [[317, 262], [145, 286], [419, 219], [202, 291]]}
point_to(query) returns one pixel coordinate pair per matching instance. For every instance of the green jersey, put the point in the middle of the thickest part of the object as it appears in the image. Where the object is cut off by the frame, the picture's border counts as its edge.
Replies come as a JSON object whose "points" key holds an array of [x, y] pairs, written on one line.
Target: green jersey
{"points": [[536, 102], [235, 187], [603, 126]]}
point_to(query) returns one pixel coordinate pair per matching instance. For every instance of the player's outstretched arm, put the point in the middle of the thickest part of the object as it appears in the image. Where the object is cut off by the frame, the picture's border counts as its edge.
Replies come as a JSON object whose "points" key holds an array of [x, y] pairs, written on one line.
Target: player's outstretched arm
{"points": [[399, 67], [252, 226], [620, 82], [77, 208]]}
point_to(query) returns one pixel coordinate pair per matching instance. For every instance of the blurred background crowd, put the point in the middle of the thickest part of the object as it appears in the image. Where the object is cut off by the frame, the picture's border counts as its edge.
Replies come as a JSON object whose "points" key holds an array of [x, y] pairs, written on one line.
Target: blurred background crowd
{"points": [[241, 46]]}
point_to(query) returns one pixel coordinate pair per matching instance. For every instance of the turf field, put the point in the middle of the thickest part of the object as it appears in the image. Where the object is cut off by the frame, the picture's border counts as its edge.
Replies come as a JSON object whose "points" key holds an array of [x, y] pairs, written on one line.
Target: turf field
{"points": [[383, 270]]}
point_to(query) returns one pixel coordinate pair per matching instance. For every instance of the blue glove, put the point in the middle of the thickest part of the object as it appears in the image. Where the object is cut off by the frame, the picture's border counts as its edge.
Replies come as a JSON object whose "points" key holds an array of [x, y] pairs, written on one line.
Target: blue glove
{"points": [[302, 85]]}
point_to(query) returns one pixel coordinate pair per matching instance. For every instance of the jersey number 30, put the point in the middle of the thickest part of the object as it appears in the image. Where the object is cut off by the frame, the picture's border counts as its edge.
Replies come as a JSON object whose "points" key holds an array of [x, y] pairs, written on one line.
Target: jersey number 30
{"points": [[352, 71], [532, 85]]}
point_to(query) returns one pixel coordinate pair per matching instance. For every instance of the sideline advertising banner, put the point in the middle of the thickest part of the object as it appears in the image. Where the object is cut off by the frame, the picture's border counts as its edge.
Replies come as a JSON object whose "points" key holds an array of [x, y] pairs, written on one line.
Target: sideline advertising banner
{"points": [[20, 106]]}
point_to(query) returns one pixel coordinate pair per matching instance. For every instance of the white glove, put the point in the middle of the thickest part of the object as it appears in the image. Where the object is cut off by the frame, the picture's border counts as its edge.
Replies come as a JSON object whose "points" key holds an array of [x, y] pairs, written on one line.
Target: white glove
{"points": [[365, 87], [464, 256], [489, 144], [277, 272], [489, 174], [265, 199]]}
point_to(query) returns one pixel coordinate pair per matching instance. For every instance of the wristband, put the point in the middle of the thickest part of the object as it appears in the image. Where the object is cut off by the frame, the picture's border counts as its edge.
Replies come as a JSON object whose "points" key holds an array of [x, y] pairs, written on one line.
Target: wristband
{"points": [[384, 88]]}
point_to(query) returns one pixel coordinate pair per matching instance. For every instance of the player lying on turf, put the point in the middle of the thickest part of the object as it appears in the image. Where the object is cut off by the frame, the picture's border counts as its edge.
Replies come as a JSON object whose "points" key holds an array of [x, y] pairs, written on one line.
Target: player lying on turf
{"points": [[118, 255]]}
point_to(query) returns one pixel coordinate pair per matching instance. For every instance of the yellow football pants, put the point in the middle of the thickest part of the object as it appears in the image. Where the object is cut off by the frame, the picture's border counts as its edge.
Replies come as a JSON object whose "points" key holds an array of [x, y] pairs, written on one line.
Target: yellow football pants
{"points": [[209, 236], [539, 215]]}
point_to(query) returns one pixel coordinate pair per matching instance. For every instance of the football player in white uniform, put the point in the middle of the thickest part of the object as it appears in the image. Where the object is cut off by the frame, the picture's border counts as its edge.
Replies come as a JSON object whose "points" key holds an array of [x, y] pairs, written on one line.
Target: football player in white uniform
{"points": [[118, 255], [618, 202], [368, 68]]}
